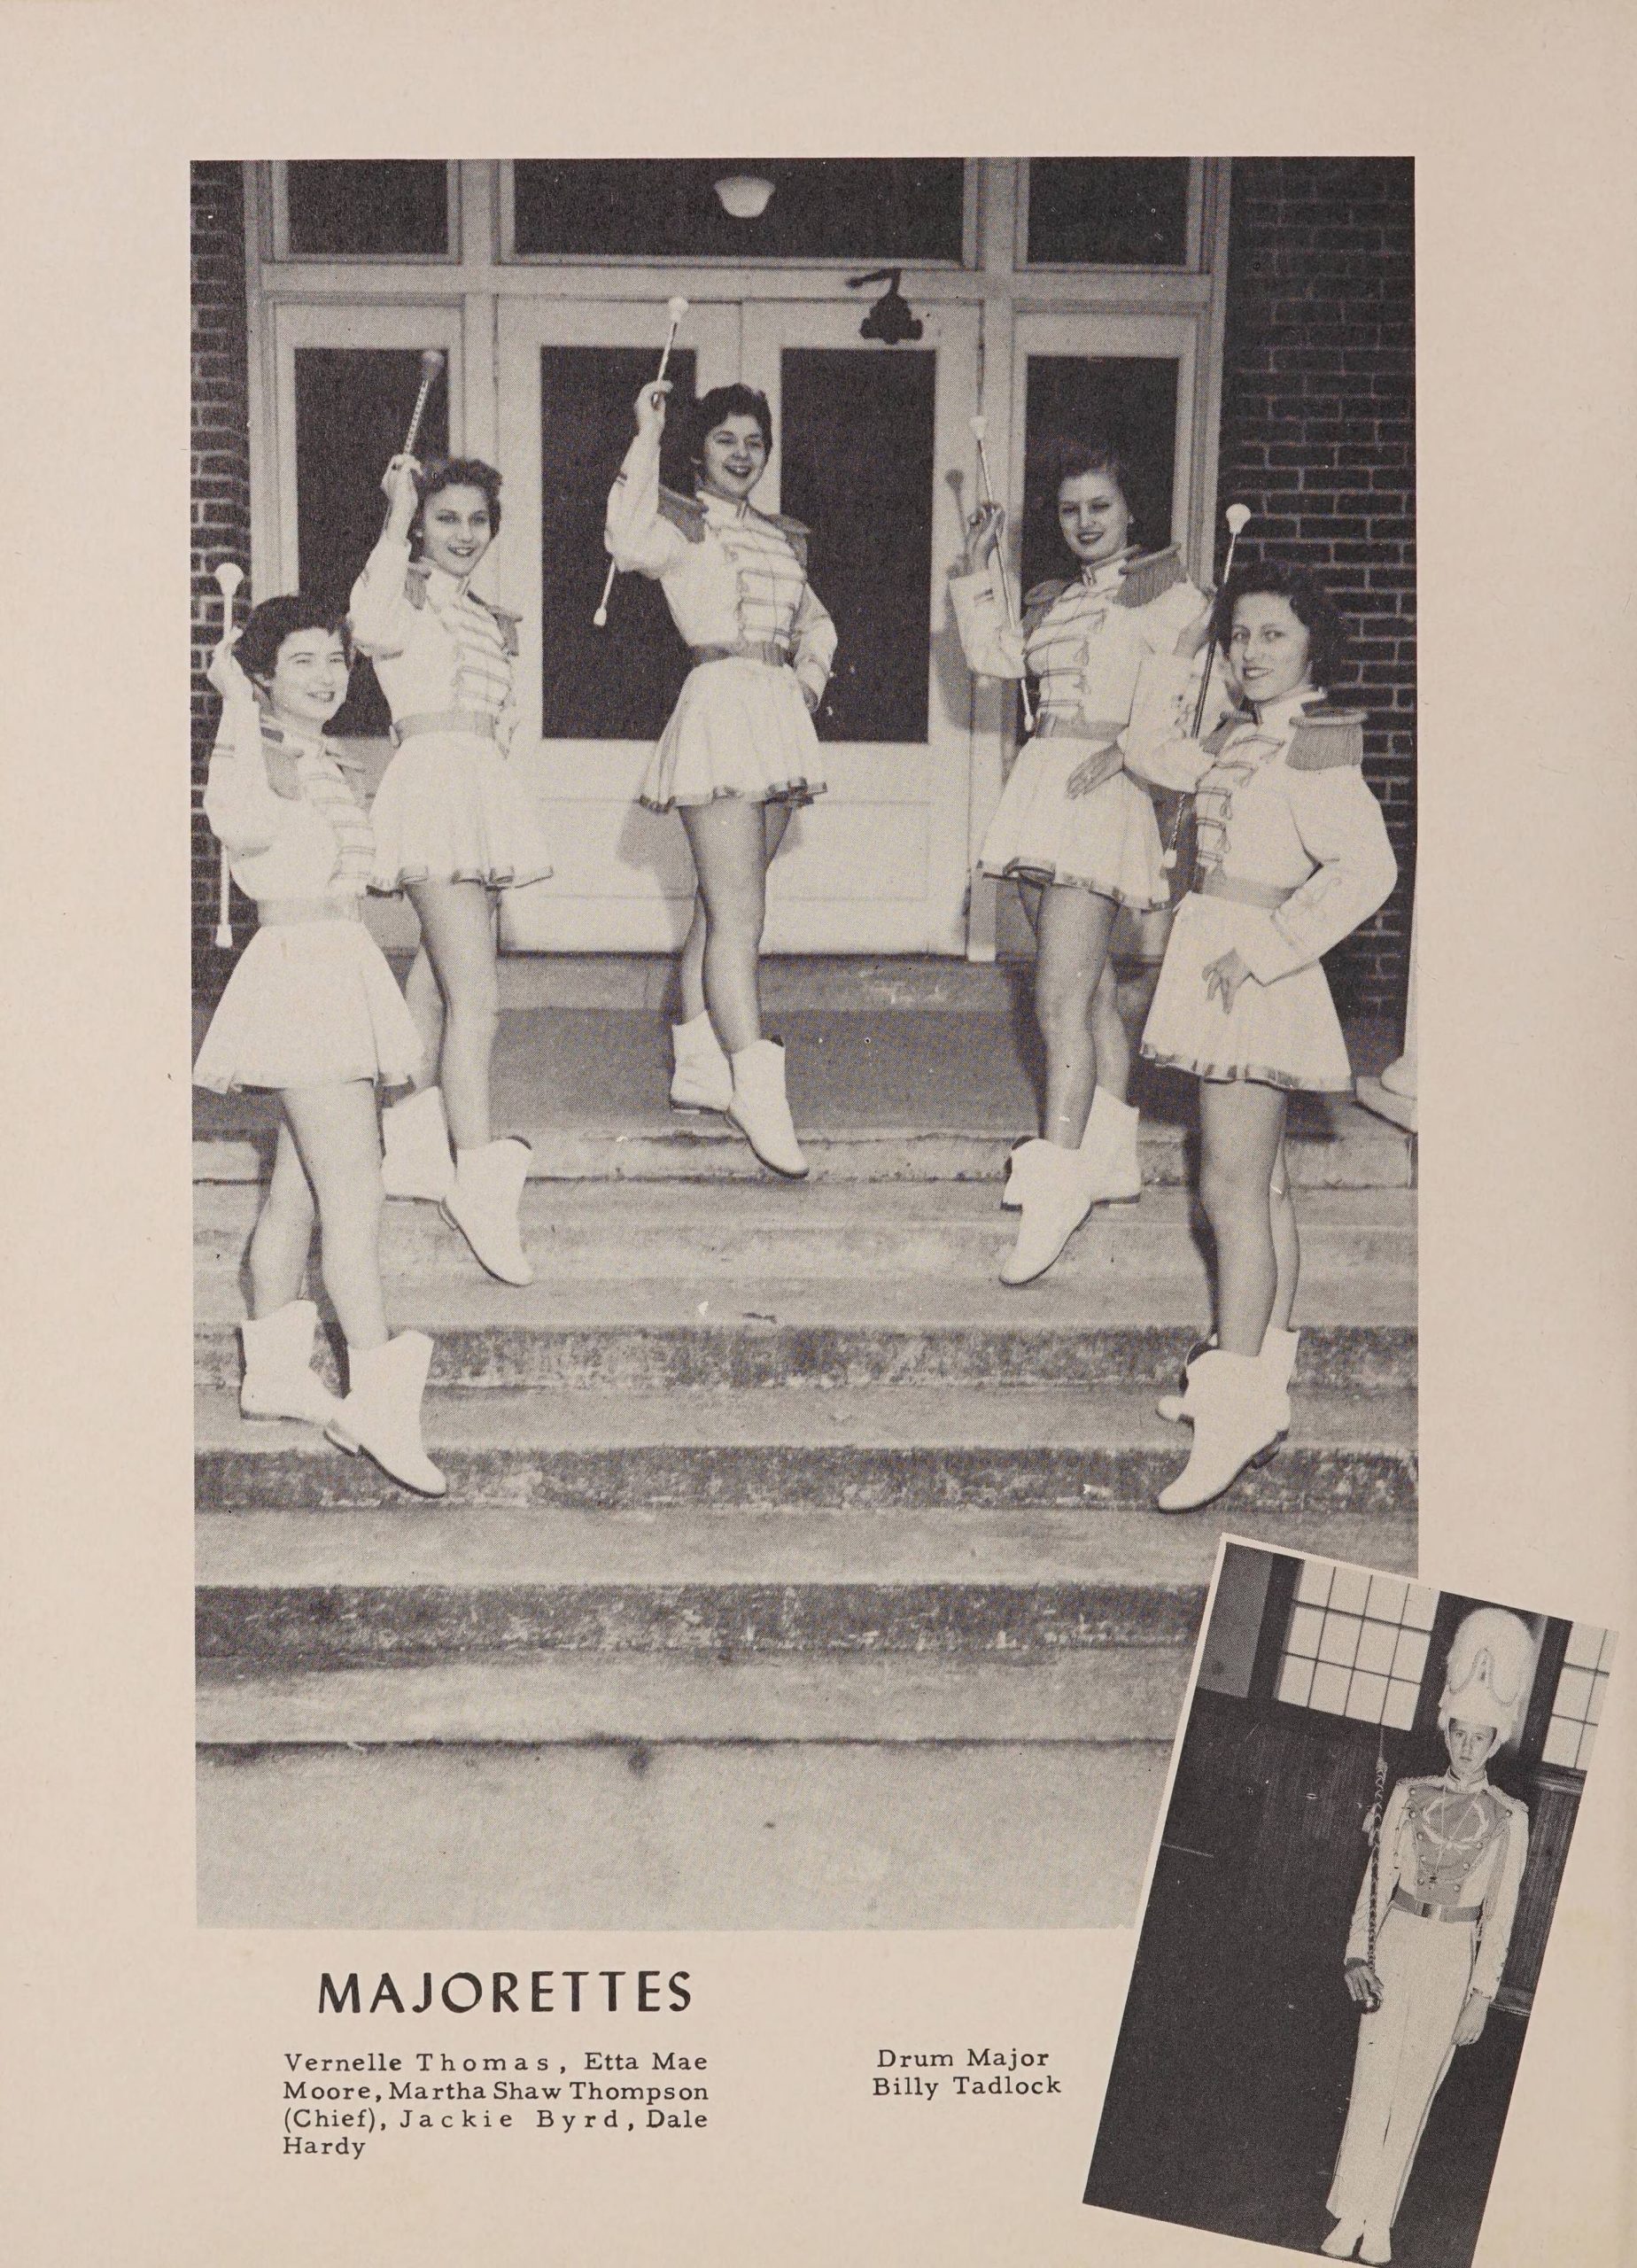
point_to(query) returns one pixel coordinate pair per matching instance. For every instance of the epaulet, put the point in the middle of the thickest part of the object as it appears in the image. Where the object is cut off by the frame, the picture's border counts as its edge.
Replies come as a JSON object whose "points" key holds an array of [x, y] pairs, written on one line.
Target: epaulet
{"points": [[1326, 739], [506, 622], [1039, 603], [1150, 576], [283, 764], [795, 533], [684, 512], [1216, 737], [415, 582]]}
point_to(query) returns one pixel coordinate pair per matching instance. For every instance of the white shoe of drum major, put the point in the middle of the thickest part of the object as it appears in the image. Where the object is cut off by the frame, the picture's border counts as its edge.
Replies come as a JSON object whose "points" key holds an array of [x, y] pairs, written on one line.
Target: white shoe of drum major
{"points": [[1239, 1419], [757, 1107], [1375, 2247], [1054, 1192], [1278, 1358], [703, 1078], [1343, 2241], [279, 1380], [382, 1413], [483, 1203], [415, 1160]]}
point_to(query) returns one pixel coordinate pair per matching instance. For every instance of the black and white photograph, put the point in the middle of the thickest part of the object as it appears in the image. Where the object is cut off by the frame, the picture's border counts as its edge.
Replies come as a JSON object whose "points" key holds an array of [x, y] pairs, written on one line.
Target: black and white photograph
{"points": [[1349, 1911], [804, 864]]}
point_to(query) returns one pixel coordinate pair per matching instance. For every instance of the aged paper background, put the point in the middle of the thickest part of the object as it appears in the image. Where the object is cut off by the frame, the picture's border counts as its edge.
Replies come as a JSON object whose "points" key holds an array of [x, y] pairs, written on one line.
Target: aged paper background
{"points": [[142, 2058]]}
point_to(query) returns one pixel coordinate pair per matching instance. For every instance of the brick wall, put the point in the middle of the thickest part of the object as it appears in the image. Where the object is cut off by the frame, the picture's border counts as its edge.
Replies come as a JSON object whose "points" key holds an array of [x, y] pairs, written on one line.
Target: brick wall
{"points": [[220, 506], [1318, 438]]}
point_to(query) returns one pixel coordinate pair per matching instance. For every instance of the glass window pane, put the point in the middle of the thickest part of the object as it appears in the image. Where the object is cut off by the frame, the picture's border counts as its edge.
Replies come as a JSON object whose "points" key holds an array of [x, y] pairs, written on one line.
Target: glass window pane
{"points": [[1330, 1687], [1585, 1645], [1587, 1742], [351, 407], [1562, 1742], [856, 448], [1305, 1624], [1386, 1596], [1409, 1656], [863, 209], [1340, 1640], [1296, 1682], [1377, 1643], [1574, 1692], [1313, 1584], [1400, 1710], [1351, 1589], [391, 207], [1420, 1606], [1366, 1697], [1107, 211]]}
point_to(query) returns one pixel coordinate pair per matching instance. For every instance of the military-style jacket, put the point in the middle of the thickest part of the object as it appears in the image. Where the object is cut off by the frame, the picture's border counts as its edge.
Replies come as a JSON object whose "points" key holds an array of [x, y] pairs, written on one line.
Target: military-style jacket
{"points": [[281, 804], [1451, 1846], [435, 647], [1086, 641], [1281, 800], [732, 576]]}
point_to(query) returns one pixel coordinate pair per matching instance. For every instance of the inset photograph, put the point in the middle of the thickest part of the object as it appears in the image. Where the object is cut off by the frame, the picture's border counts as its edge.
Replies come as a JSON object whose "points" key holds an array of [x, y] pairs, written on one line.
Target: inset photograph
{"points": [[1367, 1825]]}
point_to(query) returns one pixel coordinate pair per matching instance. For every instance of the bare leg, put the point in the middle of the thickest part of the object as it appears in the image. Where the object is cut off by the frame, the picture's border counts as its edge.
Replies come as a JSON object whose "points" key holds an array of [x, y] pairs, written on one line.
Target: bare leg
{"points": [[1242, 1125], [1073, 953], [1110, 1043], [729, 840], [457, 927], [691, 967], [1286, 1243], [282, 1236], [425, 1003], [335, 1132]]}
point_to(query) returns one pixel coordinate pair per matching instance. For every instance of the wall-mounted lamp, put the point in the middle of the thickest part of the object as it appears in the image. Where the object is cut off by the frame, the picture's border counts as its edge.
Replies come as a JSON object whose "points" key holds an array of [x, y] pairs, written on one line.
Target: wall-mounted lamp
{"points": [[744, 197], [889, 320]]}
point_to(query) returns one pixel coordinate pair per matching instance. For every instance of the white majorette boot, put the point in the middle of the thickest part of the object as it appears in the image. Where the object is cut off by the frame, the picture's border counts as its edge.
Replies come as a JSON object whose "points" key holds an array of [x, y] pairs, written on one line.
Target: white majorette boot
{"points": [[1055, 1193], [483, 1202], [704, 1077], [382, 1413], [1278, 1359], [279, 1380], [758, 1109], [1343, 2241], [414, 1148], [1239, 1419], [1109, 1147]]}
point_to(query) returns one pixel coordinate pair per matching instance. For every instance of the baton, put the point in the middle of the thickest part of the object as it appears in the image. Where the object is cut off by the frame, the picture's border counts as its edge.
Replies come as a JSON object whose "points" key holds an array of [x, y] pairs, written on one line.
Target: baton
{"points": [[229, 575], [676, 309], [980, 434]]}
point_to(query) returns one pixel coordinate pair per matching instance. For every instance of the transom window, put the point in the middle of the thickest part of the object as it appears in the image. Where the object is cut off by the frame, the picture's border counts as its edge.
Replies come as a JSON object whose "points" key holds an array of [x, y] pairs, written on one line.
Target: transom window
{"points": [[1577, 1705], [1355, 1645], [391, 208]]}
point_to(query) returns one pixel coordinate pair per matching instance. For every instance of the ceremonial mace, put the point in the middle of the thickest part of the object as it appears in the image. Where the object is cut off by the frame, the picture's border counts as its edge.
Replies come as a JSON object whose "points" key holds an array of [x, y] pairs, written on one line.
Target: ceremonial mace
{"points": [[676, 309], [229, 575], [1236, 516], [980, 434]]}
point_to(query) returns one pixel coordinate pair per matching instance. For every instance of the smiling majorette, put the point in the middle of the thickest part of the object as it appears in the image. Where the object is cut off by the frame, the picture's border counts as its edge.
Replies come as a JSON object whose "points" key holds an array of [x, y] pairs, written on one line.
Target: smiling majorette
{"points": [[452, 827], [1073, 828], [1293, 854], [311, 1012], [739, 753], [1430, 1929]]}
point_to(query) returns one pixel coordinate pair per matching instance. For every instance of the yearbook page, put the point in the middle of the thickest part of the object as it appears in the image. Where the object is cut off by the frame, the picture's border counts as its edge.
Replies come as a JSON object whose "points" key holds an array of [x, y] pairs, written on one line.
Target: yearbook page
{"points": [[821, 1265]]}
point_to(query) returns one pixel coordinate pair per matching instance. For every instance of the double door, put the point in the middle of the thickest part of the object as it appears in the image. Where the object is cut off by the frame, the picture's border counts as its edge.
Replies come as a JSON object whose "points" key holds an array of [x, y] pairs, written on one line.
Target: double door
{"points": [[864, 438]]}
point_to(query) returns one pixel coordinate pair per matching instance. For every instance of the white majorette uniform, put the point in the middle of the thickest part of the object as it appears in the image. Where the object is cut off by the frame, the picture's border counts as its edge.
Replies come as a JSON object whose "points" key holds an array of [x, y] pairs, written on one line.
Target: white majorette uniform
{"points": [[1086, 641], [735, 581], [311, 1001], [1450, 1862], [449, 807], [1292, 855]]}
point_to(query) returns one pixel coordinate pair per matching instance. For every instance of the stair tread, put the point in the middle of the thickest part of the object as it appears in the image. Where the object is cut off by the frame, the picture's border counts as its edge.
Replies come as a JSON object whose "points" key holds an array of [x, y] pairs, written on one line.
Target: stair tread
{"points": [[510, 1420], [1108, 1547]]}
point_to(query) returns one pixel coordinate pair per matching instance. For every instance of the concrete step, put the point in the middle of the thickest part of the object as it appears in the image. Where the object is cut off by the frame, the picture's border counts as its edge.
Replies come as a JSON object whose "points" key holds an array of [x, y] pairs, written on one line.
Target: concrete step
{"points": [[877, 1446], [952, 1233], [805, 1835]]}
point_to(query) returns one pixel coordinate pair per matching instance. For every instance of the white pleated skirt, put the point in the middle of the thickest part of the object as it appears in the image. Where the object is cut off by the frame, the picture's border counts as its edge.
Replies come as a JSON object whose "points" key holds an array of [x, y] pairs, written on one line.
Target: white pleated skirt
{"points": [[1107, 842], [1282, 1035], [450, 807], [310, 1003], [739, 727]]}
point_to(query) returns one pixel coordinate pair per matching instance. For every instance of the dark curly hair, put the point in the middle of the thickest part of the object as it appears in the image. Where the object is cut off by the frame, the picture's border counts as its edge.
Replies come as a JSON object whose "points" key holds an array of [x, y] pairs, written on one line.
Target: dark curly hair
{"points": [[1312, 606], [455, 472], [705, 414], [274, 620]]}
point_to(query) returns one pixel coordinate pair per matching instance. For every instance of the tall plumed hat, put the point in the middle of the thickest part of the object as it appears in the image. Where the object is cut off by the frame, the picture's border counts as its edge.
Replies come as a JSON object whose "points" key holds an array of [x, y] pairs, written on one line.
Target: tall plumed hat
{"points": [[1488, 1673]]}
